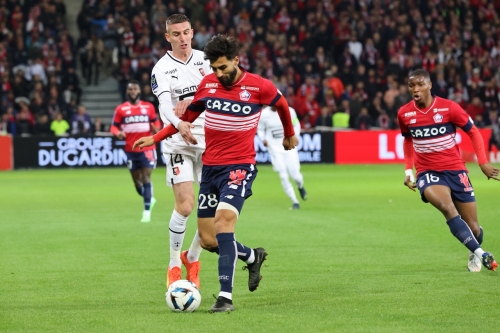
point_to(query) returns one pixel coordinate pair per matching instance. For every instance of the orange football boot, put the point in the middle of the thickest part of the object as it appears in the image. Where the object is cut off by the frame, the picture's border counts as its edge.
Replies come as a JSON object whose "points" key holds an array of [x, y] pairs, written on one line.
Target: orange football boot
{"points": [[173, 274], [193, 269]]}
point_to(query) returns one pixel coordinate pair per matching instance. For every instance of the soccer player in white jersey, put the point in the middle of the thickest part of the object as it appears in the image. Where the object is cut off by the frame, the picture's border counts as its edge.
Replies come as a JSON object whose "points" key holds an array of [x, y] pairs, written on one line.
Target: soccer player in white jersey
{"points": [[285, 162], [174, 81]]}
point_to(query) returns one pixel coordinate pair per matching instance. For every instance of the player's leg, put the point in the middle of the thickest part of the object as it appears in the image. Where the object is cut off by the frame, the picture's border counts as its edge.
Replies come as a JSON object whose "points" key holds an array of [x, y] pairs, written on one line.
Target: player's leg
{"points": [[440, 197], [236, 182], [136, 174], [468, 212], [293, 165], [463, 196], [147, 163], [280, 165]]}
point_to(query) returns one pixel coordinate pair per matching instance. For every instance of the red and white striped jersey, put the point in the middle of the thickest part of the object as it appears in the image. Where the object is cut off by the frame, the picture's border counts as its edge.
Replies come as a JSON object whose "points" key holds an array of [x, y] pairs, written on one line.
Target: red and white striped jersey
{"points": [[134, 121], [231, 116], [433, 133]]}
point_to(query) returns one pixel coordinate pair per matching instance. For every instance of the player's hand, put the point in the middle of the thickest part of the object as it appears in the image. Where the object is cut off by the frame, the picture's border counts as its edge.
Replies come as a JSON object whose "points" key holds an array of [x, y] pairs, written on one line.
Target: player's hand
{"points": [[490, 171], [264, 143], [411, 185], [181, 107], [290, 142], [185, 129], [121, 135], [144, 142]]}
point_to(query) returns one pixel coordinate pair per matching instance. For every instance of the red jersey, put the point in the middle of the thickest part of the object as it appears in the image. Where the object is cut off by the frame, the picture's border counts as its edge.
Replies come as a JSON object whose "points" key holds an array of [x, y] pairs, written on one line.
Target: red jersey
{"points": [[231, 116], [134, 121], [433, 133]]}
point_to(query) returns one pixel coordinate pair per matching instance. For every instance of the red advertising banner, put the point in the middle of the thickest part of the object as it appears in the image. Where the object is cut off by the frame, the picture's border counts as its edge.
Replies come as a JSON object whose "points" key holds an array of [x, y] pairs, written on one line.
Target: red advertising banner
{"points": [[377, 147], [5, 152]]}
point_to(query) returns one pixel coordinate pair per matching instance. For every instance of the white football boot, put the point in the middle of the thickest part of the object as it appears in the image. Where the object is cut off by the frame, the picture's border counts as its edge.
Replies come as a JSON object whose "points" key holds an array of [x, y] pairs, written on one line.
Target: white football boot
{"points": [[474, 263]]}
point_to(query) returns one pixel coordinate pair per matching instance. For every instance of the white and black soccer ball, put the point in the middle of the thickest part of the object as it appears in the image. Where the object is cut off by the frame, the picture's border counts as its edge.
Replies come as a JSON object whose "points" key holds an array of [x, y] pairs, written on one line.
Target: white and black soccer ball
{"points": [[183, 296]]}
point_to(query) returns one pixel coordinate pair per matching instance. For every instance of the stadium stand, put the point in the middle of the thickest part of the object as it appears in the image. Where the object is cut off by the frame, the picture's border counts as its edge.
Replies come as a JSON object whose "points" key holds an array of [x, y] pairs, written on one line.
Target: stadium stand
{"points": [[325, 56]]}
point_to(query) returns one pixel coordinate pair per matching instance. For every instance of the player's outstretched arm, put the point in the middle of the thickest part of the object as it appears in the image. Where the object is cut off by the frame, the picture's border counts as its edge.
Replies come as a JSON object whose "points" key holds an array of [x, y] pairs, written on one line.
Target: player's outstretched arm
{"points": [[181, 107], [477, 142], [290, 141], [145, 141]]}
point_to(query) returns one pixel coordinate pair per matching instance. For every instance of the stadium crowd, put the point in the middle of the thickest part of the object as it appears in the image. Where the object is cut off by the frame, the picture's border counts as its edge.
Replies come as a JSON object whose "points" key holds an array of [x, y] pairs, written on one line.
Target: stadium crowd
{"points": [[339, 63]]}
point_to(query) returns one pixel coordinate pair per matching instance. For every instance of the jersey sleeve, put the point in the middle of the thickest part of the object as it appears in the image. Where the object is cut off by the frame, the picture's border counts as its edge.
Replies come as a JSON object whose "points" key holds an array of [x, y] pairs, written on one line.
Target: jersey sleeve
{"points": [[160, 83], [197, 104], [405, 131], [460, 118], [269, 93], [117, 117]]}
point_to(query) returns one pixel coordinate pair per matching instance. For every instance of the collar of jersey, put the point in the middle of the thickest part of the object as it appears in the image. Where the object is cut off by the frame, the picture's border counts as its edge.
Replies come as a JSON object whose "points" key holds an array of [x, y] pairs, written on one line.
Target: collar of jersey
{"points": [[180, 61], [430, 106]]}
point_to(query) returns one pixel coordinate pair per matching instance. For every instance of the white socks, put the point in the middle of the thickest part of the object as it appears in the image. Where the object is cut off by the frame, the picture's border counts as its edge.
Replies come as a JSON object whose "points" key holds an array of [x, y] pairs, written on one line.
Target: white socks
{"points": [[195, 248], [287, 186], [177, 229]]}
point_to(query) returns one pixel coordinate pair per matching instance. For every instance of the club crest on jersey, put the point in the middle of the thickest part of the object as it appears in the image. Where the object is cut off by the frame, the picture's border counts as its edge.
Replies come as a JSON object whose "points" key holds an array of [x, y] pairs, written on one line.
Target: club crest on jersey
{"points": [[438, 118], [154, 84], [421, 183], [202, 72], [245, 95]]}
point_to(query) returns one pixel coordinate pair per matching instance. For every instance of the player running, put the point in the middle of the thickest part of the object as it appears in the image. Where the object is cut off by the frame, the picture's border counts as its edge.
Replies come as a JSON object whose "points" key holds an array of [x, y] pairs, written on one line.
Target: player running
{"points": [[174, 81], [233, 99], [131, 121], [428, 124], [285, 162]]}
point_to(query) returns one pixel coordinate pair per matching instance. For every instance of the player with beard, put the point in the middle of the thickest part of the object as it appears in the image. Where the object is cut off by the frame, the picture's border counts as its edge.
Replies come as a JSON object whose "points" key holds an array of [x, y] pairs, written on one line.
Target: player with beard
{"points": [[132, 120], [428, 124], [231, 99]]}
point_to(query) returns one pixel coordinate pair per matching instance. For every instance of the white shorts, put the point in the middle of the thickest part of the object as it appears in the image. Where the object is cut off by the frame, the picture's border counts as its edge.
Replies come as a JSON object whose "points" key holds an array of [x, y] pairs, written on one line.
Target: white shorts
{"points": [[287, 160], [183, 166]]}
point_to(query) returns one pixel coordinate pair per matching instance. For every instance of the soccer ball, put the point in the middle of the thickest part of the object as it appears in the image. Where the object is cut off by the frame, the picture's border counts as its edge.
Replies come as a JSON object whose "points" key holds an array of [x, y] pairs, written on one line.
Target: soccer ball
{"points": [[183, 296]]}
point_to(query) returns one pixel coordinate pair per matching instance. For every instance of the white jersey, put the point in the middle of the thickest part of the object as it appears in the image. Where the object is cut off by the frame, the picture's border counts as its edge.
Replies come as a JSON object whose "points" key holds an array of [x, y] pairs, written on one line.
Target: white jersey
{"points": [[173, 80], [271, 129]]}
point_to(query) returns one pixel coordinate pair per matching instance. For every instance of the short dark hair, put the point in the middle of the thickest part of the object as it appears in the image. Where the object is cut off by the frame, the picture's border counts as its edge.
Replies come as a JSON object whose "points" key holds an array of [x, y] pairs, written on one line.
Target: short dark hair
{"points": [[220, 46], [420, 72], [134, 82], [177, 18]]}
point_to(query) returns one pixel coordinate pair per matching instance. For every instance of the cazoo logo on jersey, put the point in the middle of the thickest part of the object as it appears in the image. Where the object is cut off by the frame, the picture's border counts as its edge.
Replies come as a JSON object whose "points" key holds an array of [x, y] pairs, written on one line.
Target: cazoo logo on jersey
{"points": [[228, 106], [428, 132]]}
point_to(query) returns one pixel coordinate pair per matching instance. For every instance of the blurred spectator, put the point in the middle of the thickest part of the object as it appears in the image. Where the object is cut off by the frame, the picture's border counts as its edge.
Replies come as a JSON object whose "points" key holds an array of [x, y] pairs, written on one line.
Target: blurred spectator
{"points": [[475, 108], [325, 119], [95, 53], [98, 126], [340, 119], [363, 120], [24, 120], [59, 126], [81, 124], [42, 126]]}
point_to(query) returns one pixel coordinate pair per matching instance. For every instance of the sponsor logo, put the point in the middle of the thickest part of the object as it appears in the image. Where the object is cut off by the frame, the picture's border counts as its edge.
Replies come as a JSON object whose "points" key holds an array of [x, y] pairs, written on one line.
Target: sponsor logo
{"points": [[427, 132], [186, 90], [245, 95], [413, 121], [211, 85], [136, 119], [236, 176], [410, 114], [178, 91], [175, 77], [230, 196], [171, 71], [249, 88], [441, 110], [224, 277], [202, 72], [227, 106], [308, 149], [212, 91], [438, 118], [199, 63], [233, 187], [154, 84], [464, 179]]}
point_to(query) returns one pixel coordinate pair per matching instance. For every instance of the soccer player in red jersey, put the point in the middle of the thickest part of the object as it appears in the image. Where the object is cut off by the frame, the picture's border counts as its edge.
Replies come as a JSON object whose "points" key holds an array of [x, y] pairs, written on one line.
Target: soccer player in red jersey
{"points": [[428, 124], [232, 99], [131, 121]]}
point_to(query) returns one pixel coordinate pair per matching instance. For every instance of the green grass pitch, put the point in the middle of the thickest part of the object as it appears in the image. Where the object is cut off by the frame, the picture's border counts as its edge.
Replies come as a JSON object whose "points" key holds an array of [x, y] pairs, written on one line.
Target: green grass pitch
{"points": [[363, 254]]}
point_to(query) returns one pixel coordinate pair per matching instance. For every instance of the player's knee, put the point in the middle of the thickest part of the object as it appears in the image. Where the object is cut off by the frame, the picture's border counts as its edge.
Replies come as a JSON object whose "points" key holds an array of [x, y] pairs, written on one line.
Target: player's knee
{"points": [[448, 209], [208, 242], [185, 207]]}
